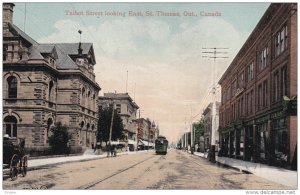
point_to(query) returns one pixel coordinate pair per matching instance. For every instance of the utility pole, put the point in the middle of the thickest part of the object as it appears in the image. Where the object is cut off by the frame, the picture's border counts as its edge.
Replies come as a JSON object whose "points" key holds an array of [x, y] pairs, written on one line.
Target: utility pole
{"points": [[111, 122], [212, 53]]}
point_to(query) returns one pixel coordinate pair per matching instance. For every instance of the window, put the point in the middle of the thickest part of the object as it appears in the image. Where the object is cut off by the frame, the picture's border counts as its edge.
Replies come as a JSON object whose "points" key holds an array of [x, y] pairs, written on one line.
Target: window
{"points": [[50, 91], [10, 126], [234, 87], [281, 41], [284, 81], [262, 137], [118, 108], [241, 80], [280, 138], [260, 97], [250, 72], [228, 93], [242, 107], [83, 96], [94, 101], [238, 108], [265, 93], [12, 87], [276, 86], [250, 102], [88, 100], [5, 48], [262, 59]]}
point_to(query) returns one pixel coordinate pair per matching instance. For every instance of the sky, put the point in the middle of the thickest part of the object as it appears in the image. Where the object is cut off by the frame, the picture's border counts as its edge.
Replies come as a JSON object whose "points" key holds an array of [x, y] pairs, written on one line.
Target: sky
{"points": [[157, 58]]}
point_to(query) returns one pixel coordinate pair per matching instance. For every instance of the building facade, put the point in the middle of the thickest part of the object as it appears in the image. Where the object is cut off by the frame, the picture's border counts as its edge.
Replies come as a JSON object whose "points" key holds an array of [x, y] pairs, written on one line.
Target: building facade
{"points": [[47, 83], [127, 110], [146, 132], [257, 123], [208, 127]]}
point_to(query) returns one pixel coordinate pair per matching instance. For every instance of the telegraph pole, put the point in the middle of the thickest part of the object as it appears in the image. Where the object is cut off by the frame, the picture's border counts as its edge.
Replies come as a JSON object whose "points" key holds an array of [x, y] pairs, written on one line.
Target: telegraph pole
{"points": [[111, 122], [212, 53]]}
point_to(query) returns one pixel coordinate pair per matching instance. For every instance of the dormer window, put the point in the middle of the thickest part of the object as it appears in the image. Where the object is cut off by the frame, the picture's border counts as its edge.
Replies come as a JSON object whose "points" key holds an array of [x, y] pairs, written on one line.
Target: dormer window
{"points": [[80, 61]]}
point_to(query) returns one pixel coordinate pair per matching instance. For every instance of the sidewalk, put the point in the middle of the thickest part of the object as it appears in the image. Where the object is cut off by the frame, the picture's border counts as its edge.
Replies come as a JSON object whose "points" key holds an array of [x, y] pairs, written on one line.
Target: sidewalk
{"points": [[275, 174], [88, 155]]}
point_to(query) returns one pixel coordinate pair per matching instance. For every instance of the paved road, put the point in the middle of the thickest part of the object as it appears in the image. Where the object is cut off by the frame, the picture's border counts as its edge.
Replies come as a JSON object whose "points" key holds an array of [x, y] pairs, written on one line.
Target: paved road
{"points": [[176, 170]]}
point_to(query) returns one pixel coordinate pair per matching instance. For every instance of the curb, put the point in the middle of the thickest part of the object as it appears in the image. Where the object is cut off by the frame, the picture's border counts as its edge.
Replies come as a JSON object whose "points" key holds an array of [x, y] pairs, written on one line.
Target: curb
{"points": [[259, 173], [37, 167]]}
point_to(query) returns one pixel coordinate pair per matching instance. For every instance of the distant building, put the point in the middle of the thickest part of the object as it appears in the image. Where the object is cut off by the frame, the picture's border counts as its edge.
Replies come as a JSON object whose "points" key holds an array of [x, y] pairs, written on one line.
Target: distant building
{"points": [[208, 120], [258, 119], [147, 132], [127, 109], [47, 83]]}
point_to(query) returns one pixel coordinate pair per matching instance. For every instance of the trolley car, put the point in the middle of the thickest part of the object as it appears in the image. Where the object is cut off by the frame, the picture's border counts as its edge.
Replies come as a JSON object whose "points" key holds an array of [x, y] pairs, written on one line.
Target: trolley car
{"points": [[14, 158], [161, 145]]}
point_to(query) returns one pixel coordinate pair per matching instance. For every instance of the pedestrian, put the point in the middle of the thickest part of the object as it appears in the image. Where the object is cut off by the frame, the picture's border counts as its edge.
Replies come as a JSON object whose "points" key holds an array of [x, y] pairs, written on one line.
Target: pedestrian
{"points": [[108, 149], [115, 151], [112, 150]]}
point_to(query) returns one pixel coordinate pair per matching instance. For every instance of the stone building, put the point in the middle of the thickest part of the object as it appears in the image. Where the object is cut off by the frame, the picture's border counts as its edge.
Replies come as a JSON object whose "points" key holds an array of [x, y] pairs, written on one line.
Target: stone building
{"points": [[208, 120], [47, 83], [127, 109], [254, 123]]}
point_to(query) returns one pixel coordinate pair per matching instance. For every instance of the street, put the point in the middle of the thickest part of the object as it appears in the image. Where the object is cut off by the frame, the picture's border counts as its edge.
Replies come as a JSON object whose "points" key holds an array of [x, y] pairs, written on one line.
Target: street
{"points": [[176, 170]]}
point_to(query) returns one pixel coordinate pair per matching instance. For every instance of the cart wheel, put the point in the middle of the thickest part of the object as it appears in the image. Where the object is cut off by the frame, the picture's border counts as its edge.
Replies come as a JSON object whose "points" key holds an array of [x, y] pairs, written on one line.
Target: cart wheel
{"points": [[14, 166], [24, 165]]}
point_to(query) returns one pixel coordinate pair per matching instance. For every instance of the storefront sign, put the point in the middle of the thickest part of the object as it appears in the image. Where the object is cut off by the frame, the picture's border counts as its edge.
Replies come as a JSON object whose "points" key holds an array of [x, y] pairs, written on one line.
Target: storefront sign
{"points": [[262, 119], [276, 115]]}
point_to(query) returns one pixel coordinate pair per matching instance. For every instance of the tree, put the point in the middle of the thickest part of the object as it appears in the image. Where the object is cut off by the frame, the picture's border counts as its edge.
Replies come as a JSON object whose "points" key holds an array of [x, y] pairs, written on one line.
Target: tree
{"points": [[60, 139], [104, 125], [199, 129]]}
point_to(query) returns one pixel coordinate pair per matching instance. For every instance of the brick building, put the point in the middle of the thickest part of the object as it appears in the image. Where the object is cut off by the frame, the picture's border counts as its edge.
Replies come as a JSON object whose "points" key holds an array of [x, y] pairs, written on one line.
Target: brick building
{"points": [[254, 123], [127, 109], [47, 83], [146, 132]]}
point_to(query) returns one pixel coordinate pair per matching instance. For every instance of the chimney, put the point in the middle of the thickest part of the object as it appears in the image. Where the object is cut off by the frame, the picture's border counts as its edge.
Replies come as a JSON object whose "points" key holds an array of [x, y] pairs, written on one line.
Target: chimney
{"points": [[8, 9]]}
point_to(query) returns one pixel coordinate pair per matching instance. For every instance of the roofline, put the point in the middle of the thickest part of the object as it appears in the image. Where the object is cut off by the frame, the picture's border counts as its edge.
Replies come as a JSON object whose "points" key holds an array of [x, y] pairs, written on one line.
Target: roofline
{"points": [[241, 51]]}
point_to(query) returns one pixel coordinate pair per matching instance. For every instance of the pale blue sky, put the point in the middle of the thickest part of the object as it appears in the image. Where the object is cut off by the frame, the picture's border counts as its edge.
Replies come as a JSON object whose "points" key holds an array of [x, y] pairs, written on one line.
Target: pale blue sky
{"points": [[243, 16], [167, 76]]}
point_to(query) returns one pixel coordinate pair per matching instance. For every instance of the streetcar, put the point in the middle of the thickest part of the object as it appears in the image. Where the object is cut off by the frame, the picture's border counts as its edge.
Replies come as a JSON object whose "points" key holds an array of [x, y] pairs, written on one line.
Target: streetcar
{"points": [[161, 145]]}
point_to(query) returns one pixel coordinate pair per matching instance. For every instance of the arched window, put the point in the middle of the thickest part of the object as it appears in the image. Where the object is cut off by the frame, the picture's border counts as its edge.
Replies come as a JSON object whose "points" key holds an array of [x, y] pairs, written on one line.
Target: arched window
{"points": [[87, 135], [94, 102], [89, 96], [80, 132], [12, 83], [10, 125], [50, 96], [49, 123], [83, 97]]}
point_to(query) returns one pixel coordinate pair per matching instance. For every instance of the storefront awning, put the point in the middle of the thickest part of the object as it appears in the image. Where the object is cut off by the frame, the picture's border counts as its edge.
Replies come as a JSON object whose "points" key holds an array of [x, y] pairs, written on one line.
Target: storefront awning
{"points": [[145, 143], [130, 141]]}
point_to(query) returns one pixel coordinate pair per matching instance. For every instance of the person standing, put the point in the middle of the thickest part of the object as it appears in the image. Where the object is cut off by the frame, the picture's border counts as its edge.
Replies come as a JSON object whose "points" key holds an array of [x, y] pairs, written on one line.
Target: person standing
{"points": [[108, 149]]}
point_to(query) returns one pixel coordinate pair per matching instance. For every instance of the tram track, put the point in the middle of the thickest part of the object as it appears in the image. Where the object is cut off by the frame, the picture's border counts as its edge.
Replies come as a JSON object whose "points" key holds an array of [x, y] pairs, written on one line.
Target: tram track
{"points": [[94, 183]]}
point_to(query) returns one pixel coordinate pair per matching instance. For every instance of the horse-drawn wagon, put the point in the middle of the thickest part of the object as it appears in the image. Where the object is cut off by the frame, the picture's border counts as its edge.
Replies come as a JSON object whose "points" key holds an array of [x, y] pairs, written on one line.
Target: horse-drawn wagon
{"points": [[14, 157]]}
